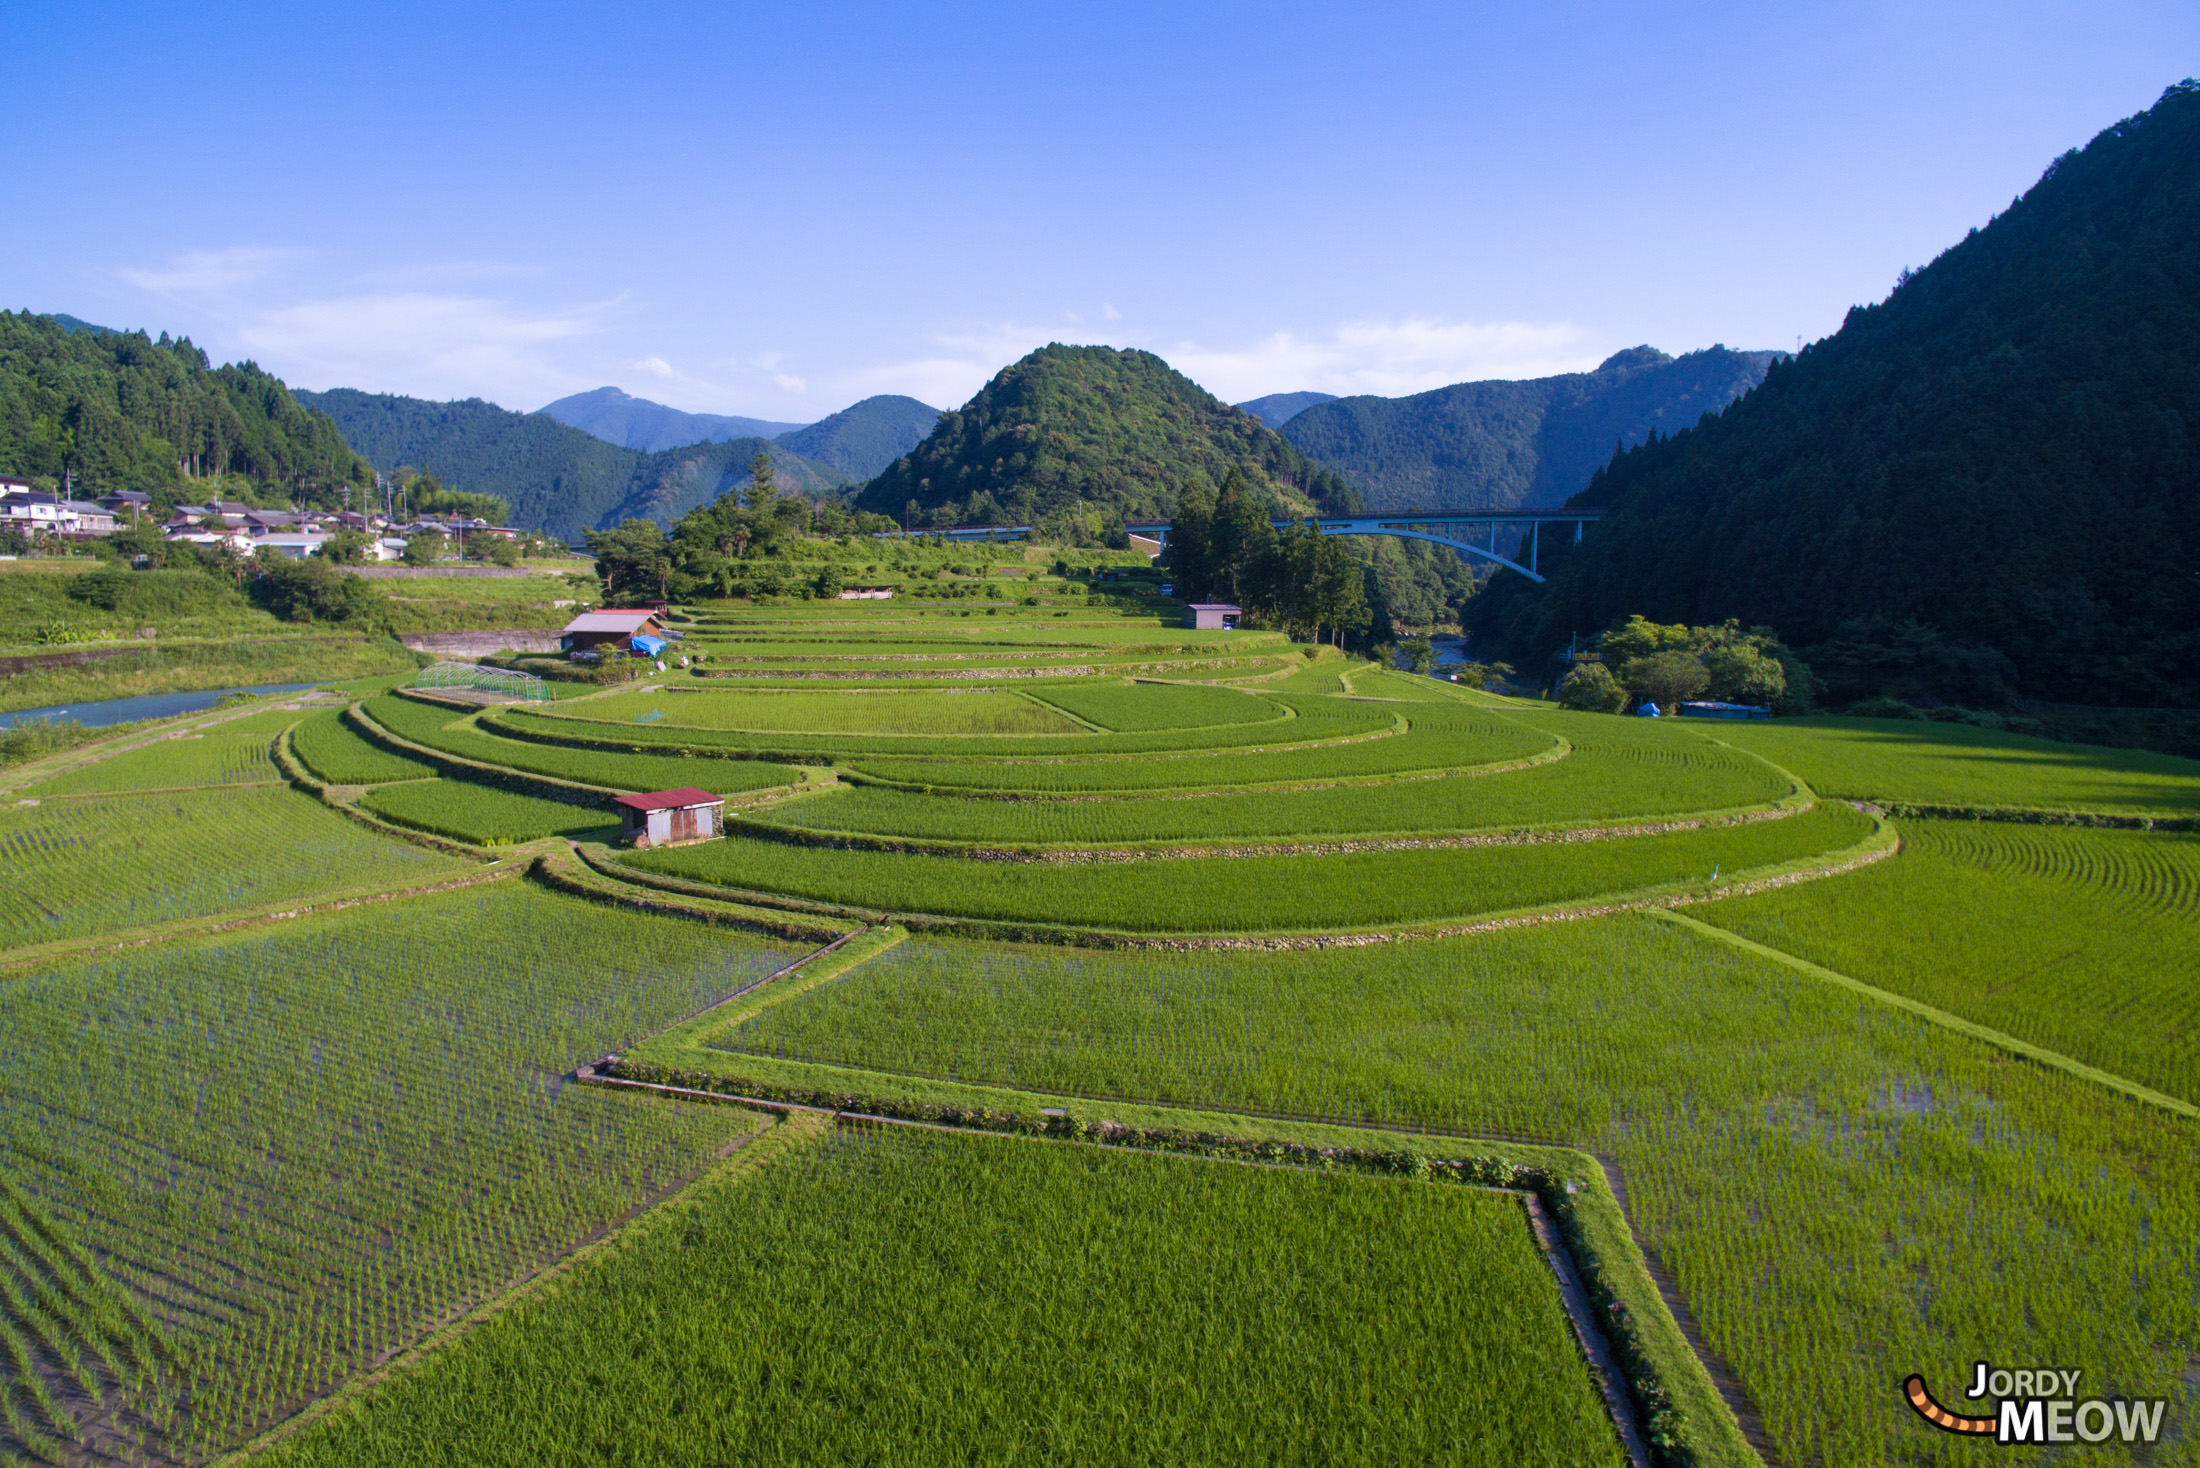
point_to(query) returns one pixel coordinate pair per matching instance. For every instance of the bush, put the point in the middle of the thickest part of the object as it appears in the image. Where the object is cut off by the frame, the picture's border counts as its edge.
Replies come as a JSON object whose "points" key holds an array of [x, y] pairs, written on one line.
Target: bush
{"points": [[311, 590], [1591, 689], [1883, 708]]}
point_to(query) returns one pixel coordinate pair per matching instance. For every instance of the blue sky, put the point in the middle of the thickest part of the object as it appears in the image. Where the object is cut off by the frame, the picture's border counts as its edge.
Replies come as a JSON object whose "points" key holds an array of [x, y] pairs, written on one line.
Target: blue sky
{"points": [[775, 210]]}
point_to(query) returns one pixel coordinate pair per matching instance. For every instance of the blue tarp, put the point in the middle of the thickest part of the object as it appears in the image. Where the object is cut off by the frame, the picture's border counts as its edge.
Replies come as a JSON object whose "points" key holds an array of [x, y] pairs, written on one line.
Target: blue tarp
{"points": [[1647, 711], [647, 645]]}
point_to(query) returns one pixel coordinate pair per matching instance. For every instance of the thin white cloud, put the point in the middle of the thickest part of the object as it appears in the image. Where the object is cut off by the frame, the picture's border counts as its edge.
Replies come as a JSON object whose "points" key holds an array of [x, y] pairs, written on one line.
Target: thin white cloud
{"points": [[420, 343], [1386, 358], [656, 367], [199, 271]]}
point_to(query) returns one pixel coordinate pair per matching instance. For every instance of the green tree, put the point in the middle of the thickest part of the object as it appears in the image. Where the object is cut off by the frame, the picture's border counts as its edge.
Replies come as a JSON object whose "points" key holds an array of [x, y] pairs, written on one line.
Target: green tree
{"points": [[1741, 674], [1591, 689], [423, 547], [345, 548], [634, 562], [1666, 678]]}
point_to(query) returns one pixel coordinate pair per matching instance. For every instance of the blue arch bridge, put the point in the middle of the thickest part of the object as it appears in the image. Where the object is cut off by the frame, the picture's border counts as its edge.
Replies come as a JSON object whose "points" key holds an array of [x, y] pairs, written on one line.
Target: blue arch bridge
{"points": [[1472, 533]]}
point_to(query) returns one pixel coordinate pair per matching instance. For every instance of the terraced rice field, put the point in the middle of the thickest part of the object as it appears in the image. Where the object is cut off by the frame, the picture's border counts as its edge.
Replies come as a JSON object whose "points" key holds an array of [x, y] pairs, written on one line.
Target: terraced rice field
{"points": [[336, 752], [246, 1167], [1795, 1155], [452, 732], [228, 752], [487, 816], [973, 711], [263, 1163], [1916, 763], [2078, 940], [79, 867], [1261, 893], [1198, 1312]]}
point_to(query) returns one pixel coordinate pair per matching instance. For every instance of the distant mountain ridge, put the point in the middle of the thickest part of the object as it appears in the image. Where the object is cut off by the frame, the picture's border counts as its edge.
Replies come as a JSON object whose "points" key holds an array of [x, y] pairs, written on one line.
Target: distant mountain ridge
{"points": [[1279, 408], [1998, 466], [858, 441], [556, 478], [861, 440], [637, 423], [1090, 431], [1511, 444]]}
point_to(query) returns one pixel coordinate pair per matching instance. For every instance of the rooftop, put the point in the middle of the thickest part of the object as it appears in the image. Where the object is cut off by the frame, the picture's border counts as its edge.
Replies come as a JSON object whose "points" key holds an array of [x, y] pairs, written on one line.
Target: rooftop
{"points": [[670, 799]]}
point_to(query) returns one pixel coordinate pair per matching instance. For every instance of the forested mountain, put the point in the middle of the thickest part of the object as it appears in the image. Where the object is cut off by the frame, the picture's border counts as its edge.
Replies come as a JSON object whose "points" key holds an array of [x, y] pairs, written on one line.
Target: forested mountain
{"points": [[1090, 430], [1480, 445], [1279, 408], [2000, 460], [860, 441], [638, 423], [121, 410], [78, 323], [556, 479]]}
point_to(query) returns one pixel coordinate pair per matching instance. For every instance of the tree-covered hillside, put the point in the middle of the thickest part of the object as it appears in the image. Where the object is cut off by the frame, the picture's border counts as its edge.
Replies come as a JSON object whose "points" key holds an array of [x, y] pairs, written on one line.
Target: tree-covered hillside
{"points": [[121, 410], [1075, 430], [557, 479], [1484, 445], [2000, 459], [862, 440]]}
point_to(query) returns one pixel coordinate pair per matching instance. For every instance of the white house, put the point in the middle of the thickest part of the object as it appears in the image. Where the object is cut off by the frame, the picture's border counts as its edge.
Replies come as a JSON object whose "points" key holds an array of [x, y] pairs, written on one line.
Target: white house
{"points": [[297, 547]]}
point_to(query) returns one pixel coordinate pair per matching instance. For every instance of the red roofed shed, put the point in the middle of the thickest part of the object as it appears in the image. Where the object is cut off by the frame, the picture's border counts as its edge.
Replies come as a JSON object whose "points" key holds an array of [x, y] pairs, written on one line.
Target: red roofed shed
{"points": [[672, 817]]}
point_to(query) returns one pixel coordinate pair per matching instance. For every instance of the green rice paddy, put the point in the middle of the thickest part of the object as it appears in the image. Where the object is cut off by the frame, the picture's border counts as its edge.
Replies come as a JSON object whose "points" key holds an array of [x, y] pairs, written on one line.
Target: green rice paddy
{"points": [[256, 1158]]}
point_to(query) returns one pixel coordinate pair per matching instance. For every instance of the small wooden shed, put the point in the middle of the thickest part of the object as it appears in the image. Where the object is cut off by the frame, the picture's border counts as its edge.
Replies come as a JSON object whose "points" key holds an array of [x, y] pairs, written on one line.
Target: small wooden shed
{"points": [[612, 630], [672, 817], [1210, 615]]}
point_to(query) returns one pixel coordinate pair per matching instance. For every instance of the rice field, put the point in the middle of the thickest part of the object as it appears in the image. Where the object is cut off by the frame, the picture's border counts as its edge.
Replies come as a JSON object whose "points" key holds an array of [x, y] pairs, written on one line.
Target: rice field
{"points": [[451, 732], [1259, 893], [2081, 941], [487, 816], [1311, 720], [1438, 738], [340, 755], [1911, 762], [242, 1170], [905, 1296], [949, 713], [246, 1168], [1598, 780], [1843, 1193], [80, 867], [228, 752]]}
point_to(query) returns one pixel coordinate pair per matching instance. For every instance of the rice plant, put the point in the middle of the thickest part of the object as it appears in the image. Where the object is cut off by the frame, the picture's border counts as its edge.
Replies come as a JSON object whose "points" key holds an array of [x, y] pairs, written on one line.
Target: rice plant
{"points": [[1843, 1193], [896, 1296], [1257, 893], [2082, 941], [77, 867], [241, 1170]]}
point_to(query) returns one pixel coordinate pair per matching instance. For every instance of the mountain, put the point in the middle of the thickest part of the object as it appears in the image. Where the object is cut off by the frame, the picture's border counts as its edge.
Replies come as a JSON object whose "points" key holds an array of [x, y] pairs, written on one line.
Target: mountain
{"points": [[860, 441], [1279, 408], [557, 479], [1479, 445], [121, 410], [638, 423], [76, 324], [1999, 460], [1090, 429]]}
